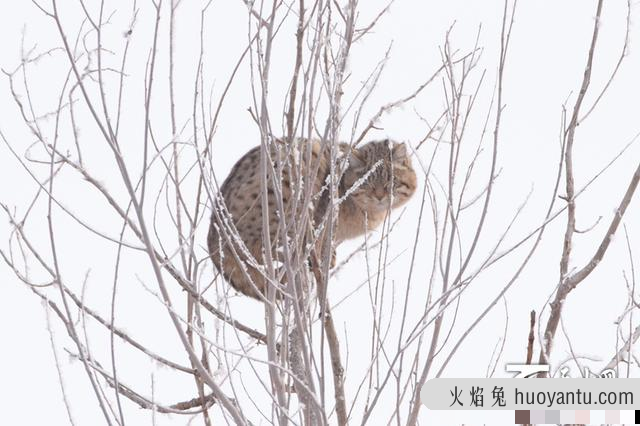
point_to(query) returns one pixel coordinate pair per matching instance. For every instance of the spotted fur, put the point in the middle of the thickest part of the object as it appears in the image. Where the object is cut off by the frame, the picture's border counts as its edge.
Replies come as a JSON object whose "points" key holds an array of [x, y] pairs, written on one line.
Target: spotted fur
{"points": [[379, 178]]}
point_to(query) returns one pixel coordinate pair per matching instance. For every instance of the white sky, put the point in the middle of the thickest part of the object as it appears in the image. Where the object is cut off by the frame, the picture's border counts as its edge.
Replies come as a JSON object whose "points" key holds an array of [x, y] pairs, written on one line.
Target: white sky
{"points": [[546, 59]]}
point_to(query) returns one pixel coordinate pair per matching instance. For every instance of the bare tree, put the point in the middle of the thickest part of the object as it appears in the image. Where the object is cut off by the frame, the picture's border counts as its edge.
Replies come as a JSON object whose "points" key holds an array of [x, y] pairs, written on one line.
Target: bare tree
{"points": [[123, 138]]}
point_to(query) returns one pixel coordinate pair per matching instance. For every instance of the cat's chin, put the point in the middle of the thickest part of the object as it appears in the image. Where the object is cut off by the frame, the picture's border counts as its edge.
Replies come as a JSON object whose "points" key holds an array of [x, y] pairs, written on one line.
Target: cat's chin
{"points": [[376, 208]]}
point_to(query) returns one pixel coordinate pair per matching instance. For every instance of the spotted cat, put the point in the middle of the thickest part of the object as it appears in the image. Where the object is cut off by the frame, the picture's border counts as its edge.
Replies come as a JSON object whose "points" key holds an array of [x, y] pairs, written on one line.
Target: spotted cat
{"points": [[379, 178]]}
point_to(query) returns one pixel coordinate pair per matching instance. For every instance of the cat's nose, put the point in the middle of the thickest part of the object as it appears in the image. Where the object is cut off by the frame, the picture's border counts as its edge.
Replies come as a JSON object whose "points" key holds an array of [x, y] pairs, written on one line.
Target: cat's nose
{"points": [[380, 195]]}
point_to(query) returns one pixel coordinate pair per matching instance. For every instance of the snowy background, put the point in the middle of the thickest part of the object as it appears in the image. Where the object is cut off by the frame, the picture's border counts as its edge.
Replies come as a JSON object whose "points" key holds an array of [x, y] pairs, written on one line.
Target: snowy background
{"points": [[546, 60]]}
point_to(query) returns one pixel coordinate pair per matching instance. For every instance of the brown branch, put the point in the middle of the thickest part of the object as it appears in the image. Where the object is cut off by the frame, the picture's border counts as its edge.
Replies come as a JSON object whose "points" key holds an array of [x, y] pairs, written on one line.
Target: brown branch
{"points": [[570, 135], [296, 71], [334, 347], [570, 282], [531, 339]]}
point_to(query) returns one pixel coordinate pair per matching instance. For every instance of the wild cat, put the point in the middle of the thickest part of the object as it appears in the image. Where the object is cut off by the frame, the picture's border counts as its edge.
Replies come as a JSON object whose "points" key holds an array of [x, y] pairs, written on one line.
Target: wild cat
{"points": [[379, 178]]}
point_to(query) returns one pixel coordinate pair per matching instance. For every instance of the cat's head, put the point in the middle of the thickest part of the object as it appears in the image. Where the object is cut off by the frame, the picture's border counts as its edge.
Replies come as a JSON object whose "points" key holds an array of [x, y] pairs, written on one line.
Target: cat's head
{"points": [[390, 183]]}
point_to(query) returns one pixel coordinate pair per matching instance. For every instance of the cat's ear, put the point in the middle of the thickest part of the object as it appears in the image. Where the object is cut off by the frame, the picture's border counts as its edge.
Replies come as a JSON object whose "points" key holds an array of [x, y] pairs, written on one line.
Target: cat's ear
{"points": [[399, 152], [343, 147]]}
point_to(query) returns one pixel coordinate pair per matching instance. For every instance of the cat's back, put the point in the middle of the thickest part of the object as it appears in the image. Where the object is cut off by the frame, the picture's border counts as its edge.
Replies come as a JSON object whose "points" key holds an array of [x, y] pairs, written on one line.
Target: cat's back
{"points": [[242, 185], [241, 190], [244, 177]]}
